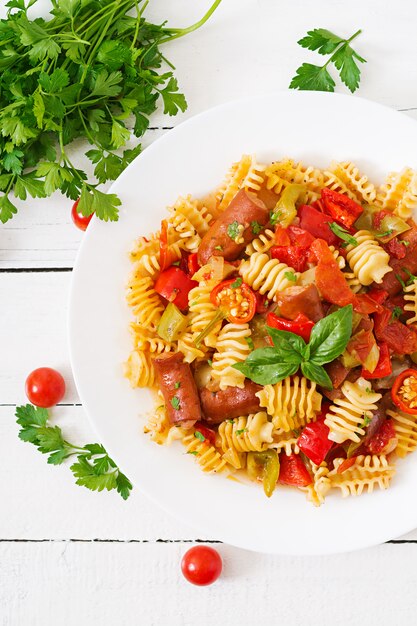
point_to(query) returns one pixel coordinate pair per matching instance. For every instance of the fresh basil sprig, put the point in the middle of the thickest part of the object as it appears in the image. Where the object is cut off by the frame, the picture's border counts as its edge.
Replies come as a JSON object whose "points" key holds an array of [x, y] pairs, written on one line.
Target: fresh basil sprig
{"points": [[290, 353]]}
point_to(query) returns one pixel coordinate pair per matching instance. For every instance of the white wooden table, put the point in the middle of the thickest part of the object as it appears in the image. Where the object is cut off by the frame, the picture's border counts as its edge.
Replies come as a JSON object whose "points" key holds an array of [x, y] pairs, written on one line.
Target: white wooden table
{"points": [[71, 557]]}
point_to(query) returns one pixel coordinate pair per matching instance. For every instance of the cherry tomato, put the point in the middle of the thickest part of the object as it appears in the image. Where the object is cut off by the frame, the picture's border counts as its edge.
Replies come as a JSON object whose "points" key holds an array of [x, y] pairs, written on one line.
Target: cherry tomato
{"points": [[45, 387], [201, 565], [78, 218]]}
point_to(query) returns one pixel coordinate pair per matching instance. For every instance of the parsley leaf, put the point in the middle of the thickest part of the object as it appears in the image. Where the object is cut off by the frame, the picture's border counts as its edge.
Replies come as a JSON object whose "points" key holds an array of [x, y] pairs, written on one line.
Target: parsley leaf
{"points": [[256, 227], [199, 435], [94, 468], [396, 312], [290, 276], [342, 233], [175, 402], [233, 230], [343, 57]]}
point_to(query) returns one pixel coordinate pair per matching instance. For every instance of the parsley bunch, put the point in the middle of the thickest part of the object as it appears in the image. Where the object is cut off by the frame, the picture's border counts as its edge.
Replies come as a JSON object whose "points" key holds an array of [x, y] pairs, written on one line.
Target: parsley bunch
{"points": [[93, 469], [86, 72], [343, 57]]}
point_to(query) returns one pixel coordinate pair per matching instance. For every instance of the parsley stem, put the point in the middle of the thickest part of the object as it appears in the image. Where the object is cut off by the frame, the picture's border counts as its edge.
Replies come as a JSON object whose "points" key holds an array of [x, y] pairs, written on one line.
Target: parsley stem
{"points": [[345, 42], [180, 32]]}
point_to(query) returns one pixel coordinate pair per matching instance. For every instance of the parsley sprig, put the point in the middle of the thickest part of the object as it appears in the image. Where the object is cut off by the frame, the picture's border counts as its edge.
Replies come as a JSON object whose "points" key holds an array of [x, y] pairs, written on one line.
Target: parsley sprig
{"points": [[90, 71], [343, 57], [93, 468]]}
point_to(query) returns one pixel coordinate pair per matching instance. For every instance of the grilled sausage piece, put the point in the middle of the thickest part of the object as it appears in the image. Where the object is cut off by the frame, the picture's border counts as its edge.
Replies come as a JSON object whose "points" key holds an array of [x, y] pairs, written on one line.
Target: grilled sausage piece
{"points": [[234, 229], [232, 402], [178, 388], [295, 300], [390, 282]]}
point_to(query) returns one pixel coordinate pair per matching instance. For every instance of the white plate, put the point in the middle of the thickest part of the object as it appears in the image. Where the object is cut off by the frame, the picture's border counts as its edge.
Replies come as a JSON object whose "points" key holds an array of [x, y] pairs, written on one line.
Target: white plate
{"points": [[192, 158]]}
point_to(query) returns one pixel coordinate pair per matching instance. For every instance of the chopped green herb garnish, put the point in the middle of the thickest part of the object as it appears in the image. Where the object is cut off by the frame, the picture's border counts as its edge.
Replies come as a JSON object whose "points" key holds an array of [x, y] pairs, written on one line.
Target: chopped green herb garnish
{"points": [[274, 217], [405, 243], [194, 452], [411, 277], [250, 343], [240, 431], [177, 385], [210, 362], [220, 248], [400, 280], [237, 283], [396, 313], [386, 234], [175, 403], [176, 263], [256, 227], [231, 421], [233, 230], [199, 435], [296, 432], [291, 276], [342, 233], [368, 390], [366, 421]]}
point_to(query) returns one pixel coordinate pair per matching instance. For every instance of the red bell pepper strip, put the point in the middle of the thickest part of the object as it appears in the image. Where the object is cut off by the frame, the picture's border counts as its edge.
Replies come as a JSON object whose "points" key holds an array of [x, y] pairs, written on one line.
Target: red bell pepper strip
{"points": [[293, 471], [282, 237], [346, 464], [235, 299], [165, 259], [381, 442], [330, 280], [193, 264], [174, 285], [341, 207], [314, 441], [404, 391], [301, 325], [384, 367], [299, 236], [294, 256], [316, 223]]}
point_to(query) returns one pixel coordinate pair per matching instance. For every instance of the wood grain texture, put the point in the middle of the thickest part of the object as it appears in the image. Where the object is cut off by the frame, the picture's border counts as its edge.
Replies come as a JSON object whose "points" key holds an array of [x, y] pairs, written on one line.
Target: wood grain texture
{"points": [[126, 584]]}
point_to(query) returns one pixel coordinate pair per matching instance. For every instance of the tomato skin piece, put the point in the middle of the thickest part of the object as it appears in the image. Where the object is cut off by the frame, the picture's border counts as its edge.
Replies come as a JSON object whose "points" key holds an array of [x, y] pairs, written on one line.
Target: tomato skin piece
{"points": [[316, 223], [80, 220], [314, 441], [396, 388], [45, 387], [293, 471], [346, 464], [201, 565], [174, 285], [341, 207], [381, 439]]}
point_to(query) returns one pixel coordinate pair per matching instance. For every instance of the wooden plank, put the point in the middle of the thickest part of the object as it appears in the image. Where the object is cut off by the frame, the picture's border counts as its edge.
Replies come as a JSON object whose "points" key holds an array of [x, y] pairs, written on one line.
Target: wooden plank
{"points": [[107, 584]]}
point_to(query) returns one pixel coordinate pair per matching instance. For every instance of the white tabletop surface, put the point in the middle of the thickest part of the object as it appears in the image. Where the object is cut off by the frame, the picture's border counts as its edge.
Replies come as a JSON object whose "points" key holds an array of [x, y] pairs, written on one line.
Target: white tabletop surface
{"points": [[71, 557]]}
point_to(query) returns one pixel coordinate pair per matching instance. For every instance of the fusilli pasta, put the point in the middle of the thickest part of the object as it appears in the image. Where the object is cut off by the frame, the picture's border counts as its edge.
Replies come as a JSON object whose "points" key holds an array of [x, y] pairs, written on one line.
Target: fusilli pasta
{"points": [[367, 260], [268, 276], [231, 347]]}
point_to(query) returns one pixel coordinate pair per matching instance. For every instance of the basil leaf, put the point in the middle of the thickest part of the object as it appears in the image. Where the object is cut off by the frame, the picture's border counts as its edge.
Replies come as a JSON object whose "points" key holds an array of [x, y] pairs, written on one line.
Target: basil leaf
{"points": [[317, 374], [267, 374], [286, 342], [330, 336]]}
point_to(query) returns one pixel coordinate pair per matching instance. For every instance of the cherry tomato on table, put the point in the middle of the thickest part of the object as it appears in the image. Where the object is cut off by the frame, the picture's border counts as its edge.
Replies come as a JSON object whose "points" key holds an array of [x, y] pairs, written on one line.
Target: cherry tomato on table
{"points": [[78, 218], [45, 387], [201, 565]]}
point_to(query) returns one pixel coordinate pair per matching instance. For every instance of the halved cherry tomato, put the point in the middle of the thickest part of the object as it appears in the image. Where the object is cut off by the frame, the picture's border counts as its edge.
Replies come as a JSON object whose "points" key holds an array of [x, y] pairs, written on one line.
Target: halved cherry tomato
{"points": [[404, 391], [174, 285], [201, 565], [207, 433], [316, 223], [293, 471], [80, 220], [314, 441], [235, 299], [384, 441], [301, 325], [45, 387], [340, 207], [330, 280], [384, 367]]}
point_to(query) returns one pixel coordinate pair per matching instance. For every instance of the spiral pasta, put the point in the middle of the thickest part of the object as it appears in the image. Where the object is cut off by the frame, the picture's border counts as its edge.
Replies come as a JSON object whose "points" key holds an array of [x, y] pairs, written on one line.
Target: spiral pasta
{"points": [[292, 403], [244, 434], [289, 172], [148, 341], [399, 193], [263, 243], [139, 369], [246, 174], [411, 298], [405, 430], [368, 261], [366, 473], [160, 429], [144, 301], [202, 312], [187, 347], [206, 455], [333, 182], [357, 183], [231, 347], [352, 281], [266, 275], [346, 416], [144, 245], [286, 442], [317, 491], [338, 257], [196, 214]]}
